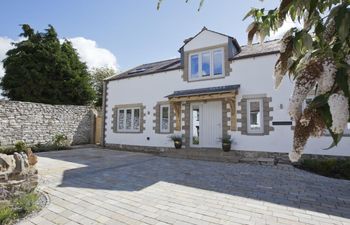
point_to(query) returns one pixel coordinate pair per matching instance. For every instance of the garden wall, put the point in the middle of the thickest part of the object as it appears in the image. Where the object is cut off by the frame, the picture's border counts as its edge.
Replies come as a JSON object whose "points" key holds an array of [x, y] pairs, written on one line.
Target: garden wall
{"points": [[38, 123]]}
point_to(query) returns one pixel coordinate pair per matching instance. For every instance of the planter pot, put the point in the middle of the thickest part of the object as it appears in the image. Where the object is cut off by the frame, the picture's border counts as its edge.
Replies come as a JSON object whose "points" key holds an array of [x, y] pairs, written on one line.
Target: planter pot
{"points": [[226, 147], [178, 144]]}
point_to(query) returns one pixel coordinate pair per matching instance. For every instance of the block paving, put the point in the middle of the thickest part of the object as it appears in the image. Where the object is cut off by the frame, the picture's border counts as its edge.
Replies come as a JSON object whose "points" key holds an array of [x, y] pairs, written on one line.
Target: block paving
{"points": [[99, 186]]}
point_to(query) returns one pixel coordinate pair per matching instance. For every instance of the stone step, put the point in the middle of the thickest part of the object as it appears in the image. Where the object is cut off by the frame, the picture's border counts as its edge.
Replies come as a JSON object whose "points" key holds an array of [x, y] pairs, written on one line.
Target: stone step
{"points": [[202, 154]]}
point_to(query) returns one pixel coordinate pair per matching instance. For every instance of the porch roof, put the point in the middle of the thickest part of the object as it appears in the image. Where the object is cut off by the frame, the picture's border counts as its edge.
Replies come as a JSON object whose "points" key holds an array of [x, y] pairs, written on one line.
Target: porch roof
{"points": [[204, 91]]}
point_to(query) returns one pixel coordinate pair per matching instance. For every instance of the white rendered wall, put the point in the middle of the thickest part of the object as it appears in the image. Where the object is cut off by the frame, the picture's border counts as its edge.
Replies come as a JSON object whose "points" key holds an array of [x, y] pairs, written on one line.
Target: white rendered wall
{"points": [[253, 74], [204, 40], [255, 77]]}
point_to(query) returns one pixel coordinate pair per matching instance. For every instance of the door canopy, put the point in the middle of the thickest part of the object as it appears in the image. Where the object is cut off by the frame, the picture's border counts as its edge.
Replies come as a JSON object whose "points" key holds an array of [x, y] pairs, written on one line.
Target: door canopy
{"points": [[227, 93]]}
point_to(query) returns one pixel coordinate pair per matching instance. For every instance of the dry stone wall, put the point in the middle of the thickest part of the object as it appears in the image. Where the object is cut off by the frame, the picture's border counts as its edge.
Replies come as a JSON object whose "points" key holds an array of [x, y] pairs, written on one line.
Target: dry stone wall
{"points": [[38, 123]]}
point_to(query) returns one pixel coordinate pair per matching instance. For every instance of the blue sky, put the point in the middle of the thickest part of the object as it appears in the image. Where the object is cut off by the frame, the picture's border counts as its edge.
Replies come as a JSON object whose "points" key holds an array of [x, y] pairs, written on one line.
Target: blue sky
{"points": [[132, 30]]}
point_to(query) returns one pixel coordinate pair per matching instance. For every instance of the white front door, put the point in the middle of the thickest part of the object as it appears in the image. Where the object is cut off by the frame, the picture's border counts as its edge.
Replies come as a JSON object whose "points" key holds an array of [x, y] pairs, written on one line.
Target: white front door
{"points": [[206, 124]]}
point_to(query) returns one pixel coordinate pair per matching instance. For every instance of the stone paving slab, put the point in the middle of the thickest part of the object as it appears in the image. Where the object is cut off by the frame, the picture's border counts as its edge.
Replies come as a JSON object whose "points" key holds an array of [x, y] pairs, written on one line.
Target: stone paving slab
{"points": [[96, 186]]}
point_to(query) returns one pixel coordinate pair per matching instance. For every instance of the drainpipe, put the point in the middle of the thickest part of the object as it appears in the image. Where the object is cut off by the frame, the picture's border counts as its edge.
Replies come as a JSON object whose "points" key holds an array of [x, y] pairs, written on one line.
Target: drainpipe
{"points": [[104, 111]]}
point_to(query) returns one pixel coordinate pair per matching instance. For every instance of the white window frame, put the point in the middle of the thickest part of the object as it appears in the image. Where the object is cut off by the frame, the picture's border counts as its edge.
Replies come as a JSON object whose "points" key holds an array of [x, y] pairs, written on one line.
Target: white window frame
{"points": [[132, 130], [161, 118], [200, 71], [255, 131]]}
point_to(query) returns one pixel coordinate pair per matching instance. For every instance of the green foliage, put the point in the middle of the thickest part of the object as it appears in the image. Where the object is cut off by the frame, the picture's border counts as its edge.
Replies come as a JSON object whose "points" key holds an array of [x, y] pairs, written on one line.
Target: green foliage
{"points": [[60, 140], [8, 150], [20, 146], [97, 76], [328, 167], [176, 137], [48, 147], [226, 139], [18, 207], [25, 204], [41, 69], [7, 214]]}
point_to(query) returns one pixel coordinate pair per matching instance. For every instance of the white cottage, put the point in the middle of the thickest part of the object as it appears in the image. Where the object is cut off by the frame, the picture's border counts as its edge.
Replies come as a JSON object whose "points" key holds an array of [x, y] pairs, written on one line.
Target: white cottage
{"points": [[215, 88]]}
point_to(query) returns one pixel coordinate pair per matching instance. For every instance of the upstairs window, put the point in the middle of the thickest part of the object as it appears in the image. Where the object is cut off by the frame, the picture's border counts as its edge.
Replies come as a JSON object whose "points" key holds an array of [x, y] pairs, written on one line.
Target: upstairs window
{"points": [[194, 66], [207, 64], [218, 62]]}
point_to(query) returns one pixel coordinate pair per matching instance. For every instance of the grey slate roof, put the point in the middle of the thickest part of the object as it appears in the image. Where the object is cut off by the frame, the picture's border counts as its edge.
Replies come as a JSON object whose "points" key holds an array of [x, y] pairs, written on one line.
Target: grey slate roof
{"points": [[269, 47], [201, 91]]}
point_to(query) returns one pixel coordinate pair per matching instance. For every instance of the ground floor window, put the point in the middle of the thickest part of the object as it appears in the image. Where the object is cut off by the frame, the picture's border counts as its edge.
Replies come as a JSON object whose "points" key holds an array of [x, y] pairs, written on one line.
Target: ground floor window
{"points": [[129, 119], [164, 118], [255, 116]]}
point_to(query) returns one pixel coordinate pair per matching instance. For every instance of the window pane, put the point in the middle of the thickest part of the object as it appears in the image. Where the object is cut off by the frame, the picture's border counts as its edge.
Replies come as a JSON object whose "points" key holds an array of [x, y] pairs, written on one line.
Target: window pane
{"points": [[194, 66], [136, 124], [255, 123], [165, 119], [206, 64], [195, 125], [128, 119], [218, 62], [121, 119]]}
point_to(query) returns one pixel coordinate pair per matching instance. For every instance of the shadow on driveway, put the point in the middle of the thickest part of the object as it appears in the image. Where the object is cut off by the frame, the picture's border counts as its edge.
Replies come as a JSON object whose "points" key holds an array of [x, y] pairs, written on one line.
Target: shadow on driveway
{"points": [[283, 185]]}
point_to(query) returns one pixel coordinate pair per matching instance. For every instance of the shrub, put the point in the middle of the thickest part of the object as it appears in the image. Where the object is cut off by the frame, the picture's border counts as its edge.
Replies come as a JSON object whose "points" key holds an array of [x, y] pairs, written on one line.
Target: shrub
{"points": [[18, 207], [7, 214], [26, 204], [176, 137], [336, 168], [8, 150], [20, 146], [60, 140], [226, 139]]}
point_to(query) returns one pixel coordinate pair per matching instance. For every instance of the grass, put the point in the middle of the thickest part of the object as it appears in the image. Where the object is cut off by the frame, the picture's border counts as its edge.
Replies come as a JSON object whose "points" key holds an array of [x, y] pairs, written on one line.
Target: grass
{"points": [[18, 208], [336, 168], [7, 215]]}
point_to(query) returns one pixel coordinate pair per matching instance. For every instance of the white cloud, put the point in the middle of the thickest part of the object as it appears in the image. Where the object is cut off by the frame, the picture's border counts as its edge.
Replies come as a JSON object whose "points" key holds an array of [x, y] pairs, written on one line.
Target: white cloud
{"points": [[5, 45], [93, 55]]}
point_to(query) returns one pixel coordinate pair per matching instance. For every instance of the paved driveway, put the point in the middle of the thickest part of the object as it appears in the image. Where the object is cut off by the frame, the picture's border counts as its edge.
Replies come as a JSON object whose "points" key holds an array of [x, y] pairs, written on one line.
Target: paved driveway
{"points": [[94, 186]]}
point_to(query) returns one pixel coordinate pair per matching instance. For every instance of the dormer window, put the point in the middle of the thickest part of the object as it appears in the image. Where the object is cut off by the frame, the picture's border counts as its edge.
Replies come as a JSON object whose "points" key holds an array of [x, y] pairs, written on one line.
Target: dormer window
{"points": [[206, 64]]}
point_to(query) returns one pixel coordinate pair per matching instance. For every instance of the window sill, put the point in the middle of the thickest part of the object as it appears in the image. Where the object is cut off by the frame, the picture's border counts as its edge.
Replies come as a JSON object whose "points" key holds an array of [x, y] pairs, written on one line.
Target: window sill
{"points": [[129, 132], [207, 78], [255, 134]]}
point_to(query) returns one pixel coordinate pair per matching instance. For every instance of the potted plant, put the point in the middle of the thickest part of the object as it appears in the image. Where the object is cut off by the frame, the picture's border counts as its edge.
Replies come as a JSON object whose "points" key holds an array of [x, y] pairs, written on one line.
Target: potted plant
{"points": [[177, 139], [226, 143]]}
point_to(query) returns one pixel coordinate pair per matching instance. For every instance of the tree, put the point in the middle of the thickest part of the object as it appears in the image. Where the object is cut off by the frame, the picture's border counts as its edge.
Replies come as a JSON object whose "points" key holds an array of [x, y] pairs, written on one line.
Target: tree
{"points": [[97, 76], [41, 69], [317, 57]]}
